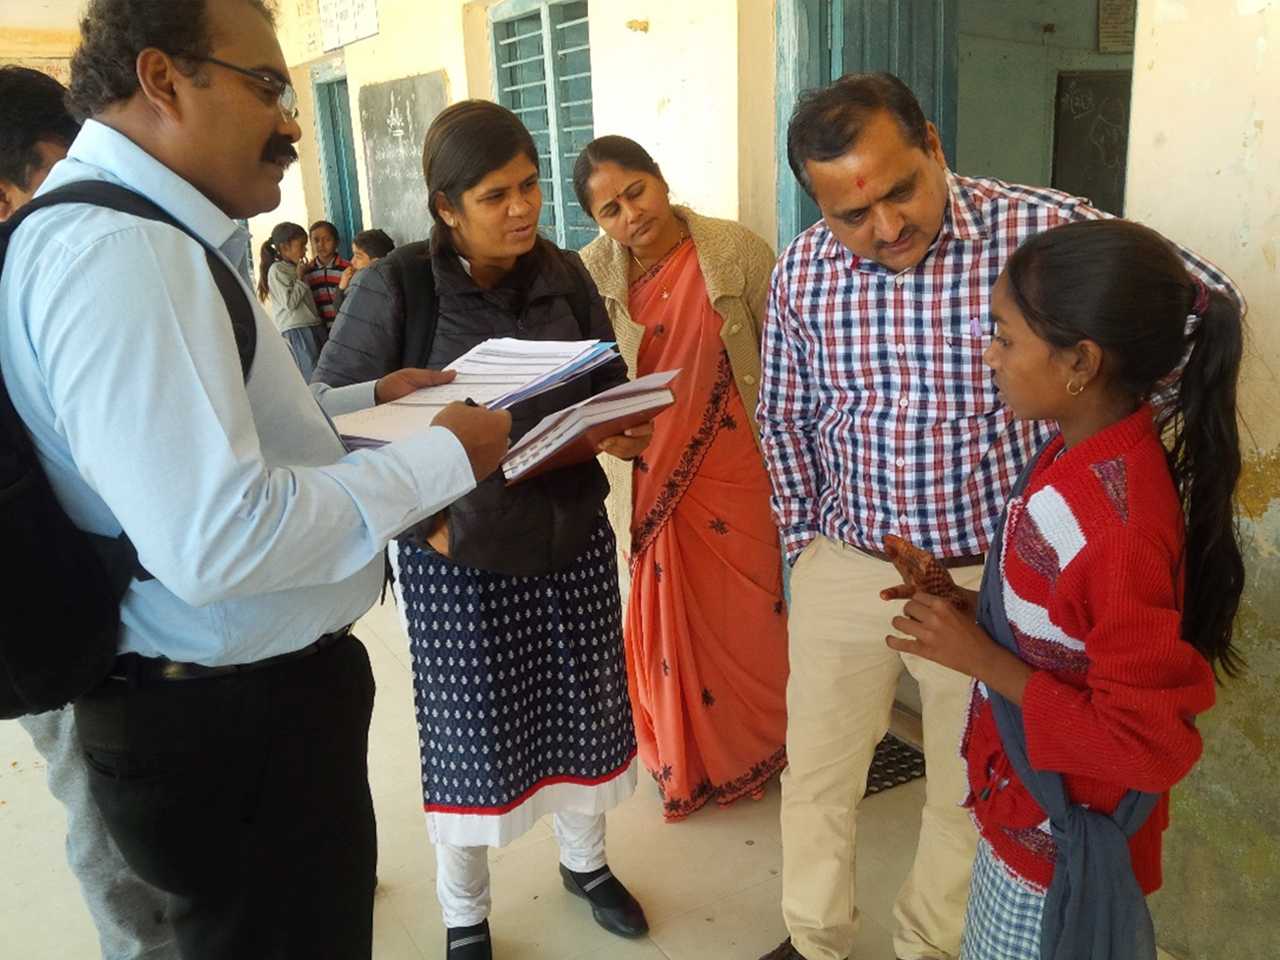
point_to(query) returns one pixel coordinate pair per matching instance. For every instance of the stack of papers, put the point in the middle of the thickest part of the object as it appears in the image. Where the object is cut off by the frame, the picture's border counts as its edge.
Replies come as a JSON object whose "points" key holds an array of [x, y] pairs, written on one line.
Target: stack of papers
{"points": [[572, 435], [497, 374]]}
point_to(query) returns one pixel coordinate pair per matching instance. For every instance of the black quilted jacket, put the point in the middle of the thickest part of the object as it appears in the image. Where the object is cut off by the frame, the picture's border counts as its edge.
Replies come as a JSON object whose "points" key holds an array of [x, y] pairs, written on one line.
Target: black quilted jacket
{"points": [[538, 526]]}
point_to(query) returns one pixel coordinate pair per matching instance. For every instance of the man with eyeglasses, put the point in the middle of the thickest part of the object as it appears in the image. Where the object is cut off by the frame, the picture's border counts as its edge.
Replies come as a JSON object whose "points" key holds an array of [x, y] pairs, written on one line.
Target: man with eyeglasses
{"points": [[227, 751]]}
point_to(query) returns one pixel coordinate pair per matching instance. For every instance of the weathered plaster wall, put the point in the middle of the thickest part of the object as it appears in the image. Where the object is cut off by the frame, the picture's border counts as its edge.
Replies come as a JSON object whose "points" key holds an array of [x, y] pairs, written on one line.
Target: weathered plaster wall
{"points": [[757, 118], [1204, 152], [665, 73], [48, 51], [693, 82]]}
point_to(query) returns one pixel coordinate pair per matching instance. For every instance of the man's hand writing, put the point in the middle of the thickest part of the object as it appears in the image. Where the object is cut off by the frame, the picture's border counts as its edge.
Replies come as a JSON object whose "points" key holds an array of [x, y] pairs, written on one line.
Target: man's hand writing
{"points": [[485, 434]]}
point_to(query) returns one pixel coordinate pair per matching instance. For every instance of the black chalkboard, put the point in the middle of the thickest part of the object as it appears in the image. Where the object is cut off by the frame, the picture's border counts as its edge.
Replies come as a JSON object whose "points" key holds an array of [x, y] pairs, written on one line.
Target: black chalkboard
{"points": [[1091, 136], [394, 117]]}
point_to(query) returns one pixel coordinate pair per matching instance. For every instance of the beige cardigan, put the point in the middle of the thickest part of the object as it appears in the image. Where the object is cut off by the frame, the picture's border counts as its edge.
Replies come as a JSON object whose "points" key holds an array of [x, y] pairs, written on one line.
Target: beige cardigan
{"points": [[736, 265]]}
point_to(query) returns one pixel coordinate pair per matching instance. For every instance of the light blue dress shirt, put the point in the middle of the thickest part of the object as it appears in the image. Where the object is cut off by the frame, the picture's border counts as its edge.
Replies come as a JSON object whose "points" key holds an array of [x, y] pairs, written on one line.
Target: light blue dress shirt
{"points": [[261, 531]]}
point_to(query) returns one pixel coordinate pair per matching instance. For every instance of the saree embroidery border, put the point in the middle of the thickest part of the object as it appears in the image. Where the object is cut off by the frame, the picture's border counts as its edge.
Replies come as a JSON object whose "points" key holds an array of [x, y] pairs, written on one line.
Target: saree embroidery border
{"points": [[643, 534], [677, 808]]}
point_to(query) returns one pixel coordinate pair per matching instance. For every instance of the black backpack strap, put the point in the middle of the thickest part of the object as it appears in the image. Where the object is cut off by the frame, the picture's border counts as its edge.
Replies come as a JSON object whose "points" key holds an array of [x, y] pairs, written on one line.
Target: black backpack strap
{"points": [[411, 269], [580, 300], [118, 553], [99, 193]]}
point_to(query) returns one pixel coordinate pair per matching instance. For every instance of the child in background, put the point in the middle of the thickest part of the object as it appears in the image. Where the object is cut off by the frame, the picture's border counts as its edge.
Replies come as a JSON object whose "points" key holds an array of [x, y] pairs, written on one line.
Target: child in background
{"points": [[368, 246], [280, 276], [1109, 593], [323, 273]]}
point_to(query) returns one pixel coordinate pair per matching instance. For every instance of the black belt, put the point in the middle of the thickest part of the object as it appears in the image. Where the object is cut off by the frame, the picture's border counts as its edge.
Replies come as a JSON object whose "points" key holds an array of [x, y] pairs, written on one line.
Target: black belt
{"points": [[135, 668]]}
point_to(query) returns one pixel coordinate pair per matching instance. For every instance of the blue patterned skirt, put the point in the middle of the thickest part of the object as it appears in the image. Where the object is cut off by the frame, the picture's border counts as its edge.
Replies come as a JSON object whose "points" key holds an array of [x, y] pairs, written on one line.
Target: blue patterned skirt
{"points": [[520, 686]]}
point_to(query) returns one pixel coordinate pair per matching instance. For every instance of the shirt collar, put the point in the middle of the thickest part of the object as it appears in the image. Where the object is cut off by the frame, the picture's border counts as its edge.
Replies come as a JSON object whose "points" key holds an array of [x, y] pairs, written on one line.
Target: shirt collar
{"points": [[960, 221], [963, 219], [123, 161]]}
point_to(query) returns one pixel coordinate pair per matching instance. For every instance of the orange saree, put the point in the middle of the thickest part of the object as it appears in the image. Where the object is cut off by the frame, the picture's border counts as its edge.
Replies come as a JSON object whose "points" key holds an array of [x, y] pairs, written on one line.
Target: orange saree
{"points": [[706, 629]]}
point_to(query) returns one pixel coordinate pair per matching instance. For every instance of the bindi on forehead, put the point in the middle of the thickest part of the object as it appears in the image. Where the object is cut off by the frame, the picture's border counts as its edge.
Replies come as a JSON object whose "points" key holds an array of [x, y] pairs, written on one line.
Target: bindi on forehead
{"points": [[861, 182]]}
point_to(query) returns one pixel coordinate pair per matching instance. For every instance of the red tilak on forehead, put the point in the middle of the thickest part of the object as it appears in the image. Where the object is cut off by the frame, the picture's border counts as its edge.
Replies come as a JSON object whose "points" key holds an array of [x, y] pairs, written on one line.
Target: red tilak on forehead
{"points": [[861, 183]]}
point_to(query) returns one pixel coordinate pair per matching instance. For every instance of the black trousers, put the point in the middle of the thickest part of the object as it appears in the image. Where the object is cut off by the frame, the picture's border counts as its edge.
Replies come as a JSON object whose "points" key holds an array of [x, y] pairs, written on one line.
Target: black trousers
{"points": [[247, 798]]}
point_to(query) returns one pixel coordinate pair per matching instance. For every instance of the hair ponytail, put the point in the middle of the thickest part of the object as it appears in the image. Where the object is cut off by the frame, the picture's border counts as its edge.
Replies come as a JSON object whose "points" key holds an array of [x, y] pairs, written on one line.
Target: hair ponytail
{"points": [[269, 253], [1204, 456], [266, 257]]}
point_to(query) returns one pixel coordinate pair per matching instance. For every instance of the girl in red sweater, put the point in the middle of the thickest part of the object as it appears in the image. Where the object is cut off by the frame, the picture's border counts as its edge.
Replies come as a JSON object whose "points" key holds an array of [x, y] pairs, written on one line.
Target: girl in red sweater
{"points": [[1109, 594]]}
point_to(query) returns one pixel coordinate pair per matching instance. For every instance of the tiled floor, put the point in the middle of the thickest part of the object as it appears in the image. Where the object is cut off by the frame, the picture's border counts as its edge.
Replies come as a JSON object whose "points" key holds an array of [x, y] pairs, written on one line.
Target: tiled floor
{"points": [[710, 885]]}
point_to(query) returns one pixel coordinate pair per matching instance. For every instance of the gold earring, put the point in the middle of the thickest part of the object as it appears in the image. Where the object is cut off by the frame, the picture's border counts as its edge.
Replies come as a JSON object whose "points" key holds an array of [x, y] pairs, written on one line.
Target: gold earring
{"points": [[1075, 389]]}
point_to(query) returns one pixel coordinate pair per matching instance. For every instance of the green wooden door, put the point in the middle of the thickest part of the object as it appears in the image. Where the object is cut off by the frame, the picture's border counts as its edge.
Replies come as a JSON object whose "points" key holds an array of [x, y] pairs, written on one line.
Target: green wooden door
{"points": [[820, 40], [338, 161]]}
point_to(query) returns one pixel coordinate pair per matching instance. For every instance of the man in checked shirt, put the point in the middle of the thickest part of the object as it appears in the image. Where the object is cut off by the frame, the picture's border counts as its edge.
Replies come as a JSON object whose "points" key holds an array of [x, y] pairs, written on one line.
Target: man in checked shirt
{"points": [[878, 417]]}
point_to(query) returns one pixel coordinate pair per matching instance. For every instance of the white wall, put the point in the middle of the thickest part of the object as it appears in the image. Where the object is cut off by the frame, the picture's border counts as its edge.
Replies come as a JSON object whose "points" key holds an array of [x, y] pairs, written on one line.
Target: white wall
{"points": [[673, 87], [1204, 157]]}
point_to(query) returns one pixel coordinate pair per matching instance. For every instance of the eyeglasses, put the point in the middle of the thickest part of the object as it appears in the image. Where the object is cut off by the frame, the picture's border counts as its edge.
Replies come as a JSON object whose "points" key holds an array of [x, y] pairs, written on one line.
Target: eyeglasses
{"points": [[286, 96]]}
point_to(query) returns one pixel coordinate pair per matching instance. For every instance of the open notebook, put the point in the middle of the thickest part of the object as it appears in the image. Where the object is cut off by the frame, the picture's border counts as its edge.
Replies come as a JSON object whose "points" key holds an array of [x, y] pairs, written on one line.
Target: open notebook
{"points": [[572, 435]]}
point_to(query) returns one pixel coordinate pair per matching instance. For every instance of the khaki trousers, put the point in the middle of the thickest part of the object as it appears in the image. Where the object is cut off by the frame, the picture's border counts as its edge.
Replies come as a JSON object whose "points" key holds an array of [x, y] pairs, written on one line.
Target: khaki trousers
{"points": [[839, 698]]}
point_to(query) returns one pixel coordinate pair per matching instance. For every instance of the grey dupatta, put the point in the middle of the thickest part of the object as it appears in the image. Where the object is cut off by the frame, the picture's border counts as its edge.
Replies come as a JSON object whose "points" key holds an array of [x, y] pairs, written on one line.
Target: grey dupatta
{"points": [[1094, 909]]}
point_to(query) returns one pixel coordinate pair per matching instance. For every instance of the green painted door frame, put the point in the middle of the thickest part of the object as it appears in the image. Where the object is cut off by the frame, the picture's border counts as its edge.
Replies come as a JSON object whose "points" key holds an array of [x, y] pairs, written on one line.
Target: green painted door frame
{"points": [[338, 160], [820, 40]]}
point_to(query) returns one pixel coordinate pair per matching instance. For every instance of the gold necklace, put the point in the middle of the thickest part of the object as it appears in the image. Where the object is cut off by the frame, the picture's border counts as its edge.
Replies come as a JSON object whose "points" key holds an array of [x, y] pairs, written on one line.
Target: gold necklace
{"points": [[666, 294]]}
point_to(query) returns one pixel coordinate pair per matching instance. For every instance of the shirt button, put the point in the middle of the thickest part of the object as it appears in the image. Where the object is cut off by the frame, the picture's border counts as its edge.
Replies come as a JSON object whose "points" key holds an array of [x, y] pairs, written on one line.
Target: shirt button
{"points": [[748, 379], [736, 328], [902, 462], [903, 519], [902, 348], [902, 402], [900, 280]]}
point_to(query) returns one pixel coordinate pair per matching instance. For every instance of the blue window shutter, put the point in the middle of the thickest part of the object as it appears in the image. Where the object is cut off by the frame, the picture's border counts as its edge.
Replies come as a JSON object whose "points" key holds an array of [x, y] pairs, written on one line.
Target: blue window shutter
{"points": [[542, 64], [575, 117], [520, 58]]}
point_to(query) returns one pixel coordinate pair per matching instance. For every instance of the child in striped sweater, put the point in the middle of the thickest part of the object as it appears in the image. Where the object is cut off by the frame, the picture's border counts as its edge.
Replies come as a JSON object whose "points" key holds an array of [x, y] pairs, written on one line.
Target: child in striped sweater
{"points": [[1109, 595]]}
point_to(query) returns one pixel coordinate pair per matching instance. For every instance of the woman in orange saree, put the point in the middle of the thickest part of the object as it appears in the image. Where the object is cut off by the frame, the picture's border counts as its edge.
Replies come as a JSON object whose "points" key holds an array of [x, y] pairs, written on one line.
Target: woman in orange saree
{"points": [[705, 626]]}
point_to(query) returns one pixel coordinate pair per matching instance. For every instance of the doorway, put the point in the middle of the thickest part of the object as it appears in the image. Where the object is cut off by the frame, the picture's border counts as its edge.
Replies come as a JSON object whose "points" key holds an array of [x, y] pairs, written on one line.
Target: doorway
{"points": [[338, 161], [821, 40], [1030, 94]]}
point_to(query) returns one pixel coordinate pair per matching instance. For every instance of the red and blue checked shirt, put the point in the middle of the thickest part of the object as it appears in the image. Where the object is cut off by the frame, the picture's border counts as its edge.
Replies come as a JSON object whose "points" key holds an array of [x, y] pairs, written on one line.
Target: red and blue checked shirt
{"points": [[877, 414], [323, 282]]}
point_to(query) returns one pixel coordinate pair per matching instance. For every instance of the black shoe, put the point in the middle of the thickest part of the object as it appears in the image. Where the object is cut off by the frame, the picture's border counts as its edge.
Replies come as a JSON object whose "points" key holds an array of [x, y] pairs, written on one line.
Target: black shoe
{"points": [[468, 943], [612, 906], [784, 951]]}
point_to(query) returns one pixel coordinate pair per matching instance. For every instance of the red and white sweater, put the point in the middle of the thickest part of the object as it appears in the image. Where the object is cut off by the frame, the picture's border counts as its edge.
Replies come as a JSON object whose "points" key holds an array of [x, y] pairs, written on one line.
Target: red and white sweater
{"points": [[1093, 591]]}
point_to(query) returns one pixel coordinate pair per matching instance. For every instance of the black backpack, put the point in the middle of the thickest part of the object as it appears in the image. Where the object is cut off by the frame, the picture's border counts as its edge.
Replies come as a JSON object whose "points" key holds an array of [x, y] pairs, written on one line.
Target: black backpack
{"points": [[52, 653]]}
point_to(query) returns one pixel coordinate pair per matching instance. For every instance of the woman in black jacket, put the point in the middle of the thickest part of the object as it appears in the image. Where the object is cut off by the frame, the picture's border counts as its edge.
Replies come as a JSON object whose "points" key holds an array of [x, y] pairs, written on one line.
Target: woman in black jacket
{"points": [[510, 598]]}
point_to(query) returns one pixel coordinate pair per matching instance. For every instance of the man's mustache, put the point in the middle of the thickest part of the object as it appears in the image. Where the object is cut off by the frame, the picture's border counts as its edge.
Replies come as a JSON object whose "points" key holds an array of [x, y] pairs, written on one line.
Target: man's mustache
{"points": [[279, 150]]}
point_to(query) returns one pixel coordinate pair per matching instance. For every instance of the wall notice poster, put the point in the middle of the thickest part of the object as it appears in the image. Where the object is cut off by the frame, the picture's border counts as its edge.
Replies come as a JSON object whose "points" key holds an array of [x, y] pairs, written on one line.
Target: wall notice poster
{"points": [[1117, 20], [346, 21], [308, 19]]}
